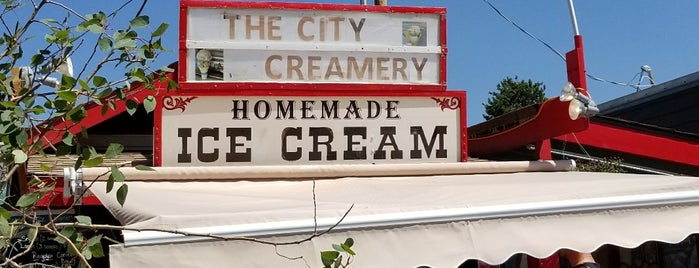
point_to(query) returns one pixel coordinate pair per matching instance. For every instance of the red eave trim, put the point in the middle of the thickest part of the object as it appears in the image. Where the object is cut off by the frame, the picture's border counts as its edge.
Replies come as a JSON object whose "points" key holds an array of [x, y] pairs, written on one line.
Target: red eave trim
{"points": [[550, 121], [54, 133], [636, 142], [326, 87], [311, 6]]}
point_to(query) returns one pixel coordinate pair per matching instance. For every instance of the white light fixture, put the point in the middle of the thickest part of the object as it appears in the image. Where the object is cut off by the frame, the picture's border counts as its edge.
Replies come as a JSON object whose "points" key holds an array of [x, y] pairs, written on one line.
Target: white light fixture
{"points": [[27, 75], [646, 68], [580, 104], [73, 184], [568, 92]]}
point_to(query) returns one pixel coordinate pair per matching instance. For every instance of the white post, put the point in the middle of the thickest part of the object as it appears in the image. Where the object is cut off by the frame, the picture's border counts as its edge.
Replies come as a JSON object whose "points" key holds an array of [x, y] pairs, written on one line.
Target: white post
{"points": [[572, 17]]}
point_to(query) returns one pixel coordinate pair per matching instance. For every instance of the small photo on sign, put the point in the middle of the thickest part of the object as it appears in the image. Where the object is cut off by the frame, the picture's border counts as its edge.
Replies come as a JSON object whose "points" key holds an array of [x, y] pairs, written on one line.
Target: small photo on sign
{"points": [[414, 33], [209, 64]]}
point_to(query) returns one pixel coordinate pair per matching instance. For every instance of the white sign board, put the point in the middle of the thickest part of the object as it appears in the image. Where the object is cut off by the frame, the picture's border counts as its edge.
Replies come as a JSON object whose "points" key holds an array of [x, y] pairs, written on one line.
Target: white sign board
{"points": [[313, 46], [289, 130]]}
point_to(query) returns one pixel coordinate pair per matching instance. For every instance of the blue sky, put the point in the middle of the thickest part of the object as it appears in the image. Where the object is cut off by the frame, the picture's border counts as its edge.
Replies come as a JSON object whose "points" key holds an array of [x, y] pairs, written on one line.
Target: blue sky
{"points": [[619, 36]]}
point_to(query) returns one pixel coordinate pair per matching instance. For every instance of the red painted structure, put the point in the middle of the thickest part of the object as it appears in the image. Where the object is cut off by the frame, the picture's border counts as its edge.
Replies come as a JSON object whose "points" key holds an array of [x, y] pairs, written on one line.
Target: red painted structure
{"points": [[636, 142], [53, 134], [157, 132], [94, 116], [185, 4], [551, 120]]}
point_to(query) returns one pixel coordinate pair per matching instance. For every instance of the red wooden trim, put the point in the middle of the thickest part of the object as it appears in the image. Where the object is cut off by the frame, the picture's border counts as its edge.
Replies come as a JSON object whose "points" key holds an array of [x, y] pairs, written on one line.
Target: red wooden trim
{"points": [[464, 130], [157, 131], [311, 6], [55, 200], [637, 142], [443, 44], [551, 120], [575, 65], [94, 116], [194, 87], [182, 63], [543, 149], [54, 133], [388, 92], [185, 4]]}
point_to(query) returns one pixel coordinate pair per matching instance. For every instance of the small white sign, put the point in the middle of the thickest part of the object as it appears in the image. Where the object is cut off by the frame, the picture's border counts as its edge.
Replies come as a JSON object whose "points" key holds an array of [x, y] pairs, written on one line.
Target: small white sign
{"points": [[290, 130], [312, 46]]}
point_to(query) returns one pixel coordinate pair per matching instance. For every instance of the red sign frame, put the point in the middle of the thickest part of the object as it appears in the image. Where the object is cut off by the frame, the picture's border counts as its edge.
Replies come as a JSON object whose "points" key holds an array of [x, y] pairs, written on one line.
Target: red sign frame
{"points": [[437, 96], [198, 86]]}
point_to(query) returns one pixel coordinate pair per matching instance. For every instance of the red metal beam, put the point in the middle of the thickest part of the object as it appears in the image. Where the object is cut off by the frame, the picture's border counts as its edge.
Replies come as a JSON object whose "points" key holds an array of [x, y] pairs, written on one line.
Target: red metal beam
{"points": [[54, 130], [552, 120], [635, 142], [575, 65]]}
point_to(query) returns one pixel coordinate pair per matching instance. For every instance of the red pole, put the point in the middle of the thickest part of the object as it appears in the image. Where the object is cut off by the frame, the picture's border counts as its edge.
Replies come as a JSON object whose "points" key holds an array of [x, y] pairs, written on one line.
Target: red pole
{"points": [[575, 64]]}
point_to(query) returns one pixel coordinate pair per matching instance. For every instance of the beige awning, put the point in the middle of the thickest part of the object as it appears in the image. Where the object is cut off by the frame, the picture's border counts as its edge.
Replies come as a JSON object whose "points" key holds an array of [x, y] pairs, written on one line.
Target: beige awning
{"points": [[400, 221]]}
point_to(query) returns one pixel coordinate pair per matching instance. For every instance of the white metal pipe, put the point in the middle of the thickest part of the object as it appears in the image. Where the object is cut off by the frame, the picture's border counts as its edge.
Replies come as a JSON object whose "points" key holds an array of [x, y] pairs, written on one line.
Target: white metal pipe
{"points": [[132, 238], [571, 7], [326, 171]]}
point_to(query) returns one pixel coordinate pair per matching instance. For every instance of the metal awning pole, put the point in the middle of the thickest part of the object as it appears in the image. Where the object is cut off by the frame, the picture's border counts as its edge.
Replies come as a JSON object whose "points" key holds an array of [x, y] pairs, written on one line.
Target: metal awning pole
{"points": [[389, 220]]}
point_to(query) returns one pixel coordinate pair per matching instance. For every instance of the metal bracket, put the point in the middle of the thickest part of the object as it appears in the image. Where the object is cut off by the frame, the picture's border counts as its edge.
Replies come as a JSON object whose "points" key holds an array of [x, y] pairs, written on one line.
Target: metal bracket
{"points": [[73, 184]]}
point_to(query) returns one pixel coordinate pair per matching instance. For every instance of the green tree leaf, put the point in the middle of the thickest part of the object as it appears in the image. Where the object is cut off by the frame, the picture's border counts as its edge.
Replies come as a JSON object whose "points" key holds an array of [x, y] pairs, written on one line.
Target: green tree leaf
{"points": [[33, 231], [347, 249], [161, 29], [83, 219], [5, 228], [117, 174], [67, 95], [349, 242], [93, 162], [338, 248], [149, 104], [28, 199], [124, 42], [77, 114], [37, 59], [144, 168], [5, 214], [99, 81], [104, 43], [68, 232], [110, 184], [328, 257], [67, 82], [19, 156], [131, 106], [139, 22], [121, 194], [94, 245], [338, 262], [113, 150]]}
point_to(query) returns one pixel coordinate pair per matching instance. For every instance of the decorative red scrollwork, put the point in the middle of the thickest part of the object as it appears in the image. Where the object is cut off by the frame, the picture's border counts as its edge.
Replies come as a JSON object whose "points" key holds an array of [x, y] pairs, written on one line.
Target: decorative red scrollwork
{"points": [[172, 103], [448, 103]]}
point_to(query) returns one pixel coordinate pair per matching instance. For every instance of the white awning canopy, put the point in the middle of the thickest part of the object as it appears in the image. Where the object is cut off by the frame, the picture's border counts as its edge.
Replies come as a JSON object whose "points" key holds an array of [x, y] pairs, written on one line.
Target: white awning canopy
{"points": [[400, 221]]}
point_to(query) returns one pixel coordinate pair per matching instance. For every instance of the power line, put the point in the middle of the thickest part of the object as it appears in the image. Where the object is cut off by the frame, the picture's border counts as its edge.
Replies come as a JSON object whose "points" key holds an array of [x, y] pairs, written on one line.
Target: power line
{"points": [[560, 55], [525, 31]]}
